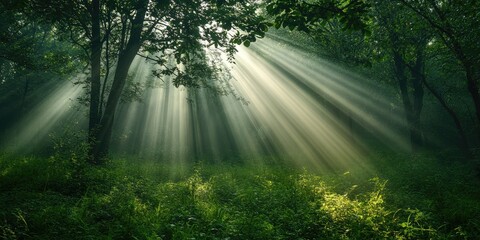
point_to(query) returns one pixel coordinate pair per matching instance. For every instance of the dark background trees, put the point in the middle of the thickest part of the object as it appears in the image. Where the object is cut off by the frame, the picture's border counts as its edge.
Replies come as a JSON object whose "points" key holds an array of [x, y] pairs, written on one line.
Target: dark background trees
{"points": [[31, 58], [406, 36], [455, 25]]}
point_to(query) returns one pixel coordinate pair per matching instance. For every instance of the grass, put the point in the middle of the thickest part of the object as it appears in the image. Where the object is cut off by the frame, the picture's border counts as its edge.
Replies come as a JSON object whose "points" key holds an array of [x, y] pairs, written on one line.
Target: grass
{"points": [[410, 197]]}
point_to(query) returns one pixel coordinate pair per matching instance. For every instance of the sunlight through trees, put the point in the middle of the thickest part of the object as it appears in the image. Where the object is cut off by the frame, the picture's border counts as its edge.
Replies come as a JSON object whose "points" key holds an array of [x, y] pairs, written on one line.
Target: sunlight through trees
{"points": [[230, 119]]}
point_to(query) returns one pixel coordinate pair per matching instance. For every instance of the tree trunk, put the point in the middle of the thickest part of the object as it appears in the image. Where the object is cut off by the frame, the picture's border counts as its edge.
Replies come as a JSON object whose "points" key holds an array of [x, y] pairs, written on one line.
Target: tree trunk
{"points": [[125, 59], [407, 105], [102, 139], [95, 64], [417, 74], [25, 91], [463, 144], [473, 90], [471, 76]]}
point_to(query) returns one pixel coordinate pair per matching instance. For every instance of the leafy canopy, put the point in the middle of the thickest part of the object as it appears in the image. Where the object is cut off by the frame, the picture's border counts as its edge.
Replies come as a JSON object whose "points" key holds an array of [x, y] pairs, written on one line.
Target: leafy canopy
{"points": [[178, 30], [306, 15]]}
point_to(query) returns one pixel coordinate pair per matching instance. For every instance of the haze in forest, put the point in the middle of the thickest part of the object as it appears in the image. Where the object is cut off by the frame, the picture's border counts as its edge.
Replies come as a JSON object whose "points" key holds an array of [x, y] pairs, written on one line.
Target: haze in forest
{"points": [[184, 119]]}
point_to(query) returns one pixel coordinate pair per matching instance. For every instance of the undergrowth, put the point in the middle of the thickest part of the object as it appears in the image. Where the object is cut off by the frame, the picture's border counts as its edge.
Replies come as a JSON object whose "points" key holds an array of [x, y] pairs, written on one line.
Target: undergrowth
{"points": [[61, 197]]}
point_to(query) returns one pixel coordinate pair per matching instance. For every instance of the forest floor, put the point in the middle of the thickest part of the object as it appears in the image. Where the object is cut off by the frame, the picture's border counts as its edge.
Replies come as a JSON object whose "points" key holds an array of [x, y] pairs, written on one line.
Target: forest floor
{"points": [[409, 197]]}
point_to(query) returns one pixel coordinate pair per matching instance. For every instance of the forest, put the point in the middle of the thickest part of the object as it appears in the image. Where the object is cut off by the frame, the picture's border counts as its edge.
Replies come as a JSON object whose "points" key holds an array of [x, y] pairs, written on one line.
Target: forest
{"points": [[239, 119]]}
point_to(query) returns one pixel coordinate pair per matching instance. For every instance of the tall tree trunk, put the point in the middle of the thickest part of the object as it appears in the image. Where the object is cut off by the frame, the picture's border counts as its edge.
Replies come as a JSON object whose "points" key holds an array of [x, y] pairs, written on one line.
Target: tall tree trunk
{"points": [[407, 105], [25, 91], [417, 74], [472, 85], [125, 59], [95, 64]]}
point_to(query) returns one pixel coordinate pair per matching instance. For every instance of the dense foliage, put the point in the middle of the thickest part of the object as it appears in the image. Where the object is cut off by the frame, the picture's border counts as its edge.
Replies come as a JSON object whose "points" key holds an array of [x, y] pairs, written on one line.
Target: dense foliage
{"points": [[415, 197]]}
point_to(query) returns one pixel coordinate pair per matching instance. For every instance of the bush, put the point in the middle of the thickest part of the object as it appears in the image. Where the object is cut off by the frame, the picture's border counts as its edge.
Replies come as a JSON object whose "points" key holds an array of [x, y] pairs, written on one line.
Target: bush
{"points": [[126, 200]]}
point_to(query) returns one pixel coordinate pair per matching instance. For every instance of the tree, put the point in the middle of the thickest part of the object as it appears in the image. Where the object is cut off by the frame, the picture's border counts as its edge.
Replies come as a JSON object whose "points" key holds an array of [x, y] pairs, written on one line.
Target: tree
{"points": [[391, 34], [308, 15], [30, 58], [30, 45], [112, 33], [456, 25], [322, 20], [403, 39]]}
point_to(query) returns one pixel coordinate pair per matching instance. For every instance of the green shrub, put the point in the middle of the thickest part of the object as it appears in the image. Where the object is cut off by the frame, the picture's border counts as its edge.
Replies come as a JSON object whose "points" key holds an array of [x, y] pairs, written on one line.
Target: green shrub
{"points": [[44, 198]]}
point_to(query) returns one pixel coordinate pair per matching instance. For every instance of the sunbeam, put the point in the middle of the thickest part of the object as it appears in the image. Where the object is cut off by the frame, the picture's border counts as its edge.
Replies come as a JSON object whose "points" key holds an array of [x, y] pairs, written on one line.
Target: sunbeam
{"points": [[300, 108], [239, 119], [57, 111]]}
